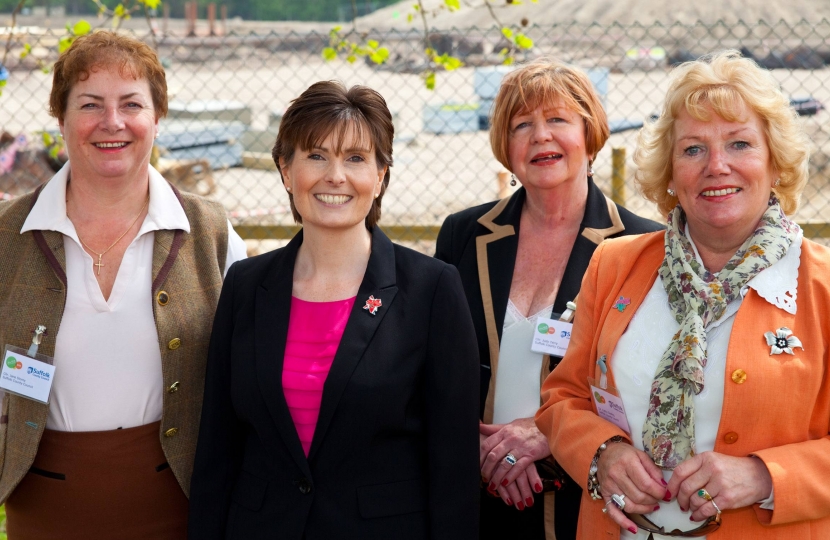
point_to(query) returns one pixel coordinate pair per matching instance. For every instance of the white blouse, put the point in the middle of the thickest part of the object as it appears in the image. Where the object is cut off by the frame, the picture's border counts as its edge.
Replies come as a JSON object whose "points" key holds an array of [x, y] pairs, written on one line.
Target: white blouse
{"points": [[640, 348], [518, 378], [107, 359]]}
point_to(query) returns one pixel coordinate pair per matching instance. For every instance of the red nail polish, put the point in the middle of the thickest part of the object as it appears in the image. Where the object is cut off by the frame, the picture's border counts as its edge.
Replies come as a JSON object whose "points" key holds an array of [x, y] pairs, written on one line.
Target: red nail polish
{"points": [[509, 502], [504, 482], [667, 496], [492, 487], [664, 482], [633, 530], [691, 518], [538, 487], [529, 501], [682, 509], [656, 507], [520, 506]]}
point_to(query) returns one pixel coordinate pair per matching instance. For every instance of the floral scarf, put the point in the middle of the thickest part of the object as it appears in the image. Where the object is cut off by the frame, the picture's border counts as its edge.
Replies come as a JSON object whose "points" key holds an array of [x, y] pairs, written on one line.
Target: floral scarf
{"points": [[696, 298]]}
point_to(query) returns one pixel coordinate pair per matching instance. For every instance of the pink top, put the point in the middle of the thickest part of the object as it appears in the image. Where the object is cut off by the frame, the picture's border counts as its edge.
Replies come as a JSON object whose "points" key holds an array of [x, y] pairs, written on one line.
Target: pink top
{"points": [[314, 332]]}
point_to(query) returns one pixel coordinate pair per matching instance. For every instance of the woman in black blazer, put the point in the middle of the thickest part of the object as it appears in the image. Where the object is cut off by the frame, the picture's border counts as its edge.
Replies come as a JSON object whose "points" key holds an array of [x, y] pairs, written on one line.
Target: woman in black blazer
{"points": [[390, 448], [522, 258]]}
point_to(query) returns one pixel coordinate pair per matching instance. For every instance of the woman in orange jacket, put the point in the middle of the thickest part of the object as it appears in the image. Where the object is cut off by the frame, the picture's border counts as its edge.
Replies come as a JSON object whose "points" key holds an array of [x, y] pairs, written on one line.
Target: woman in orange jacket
{"points": [[694, 399]]}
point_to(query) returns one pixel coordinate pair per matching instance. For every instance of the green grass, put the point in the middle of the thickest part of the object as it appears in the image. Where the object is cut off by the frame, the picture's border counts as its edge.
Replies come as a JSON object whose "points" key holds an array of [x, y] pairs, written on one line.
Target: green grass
{"points": [[3, 523]]}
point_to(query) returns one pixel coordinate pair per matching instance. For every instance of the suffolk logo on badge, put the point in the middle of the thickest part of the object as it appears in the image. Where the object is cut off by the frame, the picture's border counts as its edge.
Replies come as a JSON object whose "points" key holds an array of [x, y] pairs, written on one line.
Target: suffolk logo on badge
{"points": [[27, 373]]}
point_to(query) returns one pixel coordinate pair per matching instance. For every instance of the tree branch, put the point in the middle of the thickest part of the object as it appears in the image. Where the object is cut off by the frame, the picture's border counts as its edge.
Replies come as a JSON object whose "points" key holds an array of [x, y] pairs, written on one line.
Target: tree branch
{"points": [[17, 10]]}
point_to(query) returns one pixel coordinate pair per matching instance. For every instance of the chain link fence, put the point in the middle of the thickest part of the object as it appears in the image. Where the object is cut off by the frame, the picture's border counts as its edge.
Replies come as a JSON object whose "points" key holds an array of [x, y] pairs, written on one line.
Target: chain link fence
{"points": [[228, 94]]}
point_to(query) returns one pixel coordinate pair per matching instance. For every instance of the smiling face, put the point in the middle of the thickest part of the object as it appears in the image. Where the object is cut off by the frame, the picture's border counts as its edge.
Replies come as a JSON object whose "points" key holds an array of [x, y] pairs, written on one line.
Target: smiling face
{"points": [[331, 189], [109, 125], [722, 173], [547, 146]]}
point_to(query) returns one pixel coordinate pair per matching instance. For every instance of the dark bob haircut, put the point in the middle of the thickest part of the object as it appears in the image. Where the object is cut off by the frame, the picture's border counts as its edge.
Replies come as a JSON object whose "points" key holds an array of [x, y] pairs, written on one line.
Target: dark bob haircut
{"points": [[327, 107], [107, 50]]}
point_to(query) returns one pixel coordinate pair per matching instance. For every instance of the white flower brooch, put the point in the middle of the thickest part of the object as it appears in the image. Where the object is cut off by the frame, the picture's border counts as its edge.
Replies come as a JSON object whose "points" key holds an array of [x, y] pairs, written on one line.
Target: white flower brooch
{"points": [[782, 340]]}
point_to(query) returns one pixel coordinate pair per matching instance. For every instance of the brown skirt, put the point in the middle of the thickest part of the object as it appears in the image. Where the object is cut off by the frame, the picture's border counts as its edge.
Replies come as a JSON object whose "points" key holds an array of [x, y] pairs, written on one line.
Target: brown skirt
{"points": [[99, 484]]}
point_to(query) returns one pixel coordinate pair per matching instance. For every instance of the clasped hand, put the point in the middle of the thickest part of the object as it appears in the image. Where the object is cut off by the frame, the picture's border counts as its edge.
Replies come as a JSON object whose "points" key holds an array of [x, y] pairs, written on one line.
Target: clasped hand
{"points": [[733, 482], [515, 484]]}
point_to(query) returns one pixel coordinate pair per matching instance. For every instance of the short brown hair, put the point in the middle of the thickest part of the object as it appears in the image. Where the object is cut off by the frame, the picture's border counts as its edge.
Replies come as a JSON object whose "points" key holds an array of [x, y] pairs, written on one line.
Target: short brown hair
{"points": [[106, 50], [728, 83], [327, 107], [541, 82]]}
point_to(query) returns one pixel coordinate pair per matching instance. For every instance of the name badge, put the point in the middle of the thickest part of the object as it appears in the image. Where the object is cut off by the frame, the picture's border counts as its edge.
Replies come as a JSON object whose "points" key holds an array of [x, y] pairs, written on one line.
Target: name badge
{"points": [[609, 405], [27, 373], [551, 337]]}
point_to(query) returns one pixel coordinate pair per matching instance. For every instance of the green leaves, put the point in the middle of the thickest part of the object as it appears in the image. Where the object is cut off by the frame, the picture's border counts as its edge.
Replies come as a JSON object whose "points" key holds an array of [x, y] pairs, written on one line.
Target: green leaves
{"points": [[448, 62], [352, 50], [151, 4], [518, 40], [81, 28], [452, 5], [429, 79], [523, 42]]}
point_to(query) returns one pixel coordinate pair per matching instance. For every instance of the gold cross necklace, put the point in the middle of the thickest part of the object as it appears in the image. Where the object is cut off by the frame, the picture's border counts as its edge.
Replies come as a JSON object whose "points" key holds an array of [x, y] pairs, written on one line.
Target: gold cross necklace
{"points": [[99, 264]]}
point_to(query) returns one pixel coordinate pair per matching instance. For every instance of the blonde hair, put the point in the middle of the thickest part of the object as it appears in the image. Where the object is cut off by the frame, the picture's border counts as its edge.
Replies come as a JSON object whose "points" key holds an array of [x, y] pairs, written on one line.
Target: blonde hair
{"points": [[544, 81], [727, 83]]}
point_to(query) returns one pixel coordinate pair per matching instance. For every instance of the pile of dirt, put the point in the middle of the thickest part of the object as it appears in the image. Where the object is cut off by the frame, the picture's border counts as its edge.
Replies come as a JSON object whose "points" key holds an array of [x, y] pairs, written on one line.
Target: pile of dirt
{"points": [[474, 13]]}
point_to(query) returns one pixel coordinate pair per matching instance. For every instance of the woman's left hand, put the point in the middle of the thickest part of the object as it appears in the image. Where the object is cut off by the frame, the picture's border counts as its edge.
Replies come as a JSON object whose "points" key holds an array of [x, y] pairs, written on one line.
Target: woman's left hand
{"points": [[522, 439], [733, 482]]}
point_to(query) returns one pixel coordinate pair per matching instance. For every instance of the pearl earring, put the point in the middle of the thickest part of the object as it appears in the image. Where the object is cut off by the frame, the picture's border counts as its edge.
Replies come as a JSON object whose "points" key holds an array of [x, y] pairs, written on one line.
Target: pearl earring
{"points": [[513, 180], [671, 192], [590, 169]]}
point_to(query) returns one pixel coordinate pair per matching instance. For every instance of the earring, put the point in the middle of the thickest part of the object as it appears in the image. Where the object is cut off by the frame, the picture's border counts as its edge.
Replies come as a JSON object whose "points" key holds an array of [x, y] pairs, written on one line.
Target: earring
{"points": [[513, 180], [671, 192], [777, 182], [157, 135], [590, 169], [377, 195]]}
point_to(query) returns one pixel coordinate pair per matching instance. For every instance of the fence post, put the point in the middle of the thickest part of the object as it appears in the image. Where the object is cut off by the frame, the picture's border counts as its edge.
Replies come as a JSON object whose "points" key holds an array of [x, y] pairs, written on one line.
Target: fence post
{"points": [[503, 177], [191, 15], [212, 18], [618, 176], [165, 9]]}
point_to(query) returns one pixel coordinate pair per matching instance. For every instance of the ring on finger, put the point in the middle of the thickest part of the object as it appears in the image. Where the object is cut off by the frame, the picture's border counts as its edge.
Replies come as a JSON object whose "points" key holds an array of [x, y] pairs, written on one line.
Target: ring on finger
{"points": [[619, 501], [715, 505], [703, 494], [510, 459]]}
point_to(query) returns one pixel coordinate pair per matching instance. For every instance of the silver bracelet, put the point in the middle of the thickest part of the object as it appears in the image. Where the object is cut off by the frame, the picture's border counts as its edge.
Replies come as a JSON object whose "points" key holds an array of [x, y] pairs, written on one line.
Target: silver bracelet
{"points": [[593, 483]]}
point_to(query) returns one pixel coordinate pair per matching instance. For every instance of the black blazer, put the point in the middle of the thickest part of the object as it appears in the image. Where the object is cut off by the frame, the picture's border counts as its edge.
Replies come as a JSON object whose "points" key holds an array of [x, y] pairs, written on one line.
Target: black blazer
{"points": [[482, 242], [395, 449]]}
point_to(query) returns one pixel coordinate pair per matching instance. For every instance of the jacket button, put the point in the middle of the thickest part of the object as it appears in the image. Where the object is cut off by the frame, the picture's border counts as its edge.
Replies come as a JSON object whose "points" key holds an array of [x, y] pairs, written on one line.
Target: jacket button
{"points": [[738, 376], [305, 486], [162, 298], [174, 344], [173, 388], [730, 437], [171, 432]]}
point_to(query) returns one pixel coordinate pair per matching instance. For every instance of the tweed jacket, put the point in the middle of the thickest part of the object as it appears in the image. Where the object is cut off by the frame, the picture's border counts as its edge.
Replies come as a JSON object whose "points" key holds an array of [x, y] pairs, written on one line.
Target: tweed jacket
{"points": [[780, 412], [187, 267], [482, 243]]}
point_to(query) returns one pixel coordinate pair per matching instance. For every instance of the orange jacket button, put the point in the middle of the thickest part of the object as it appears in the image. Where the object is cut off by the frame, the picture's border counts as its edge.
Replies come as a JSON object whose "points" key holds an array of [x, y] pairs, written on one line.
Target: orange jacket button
{"points": [[738, 376], [730, 437]]}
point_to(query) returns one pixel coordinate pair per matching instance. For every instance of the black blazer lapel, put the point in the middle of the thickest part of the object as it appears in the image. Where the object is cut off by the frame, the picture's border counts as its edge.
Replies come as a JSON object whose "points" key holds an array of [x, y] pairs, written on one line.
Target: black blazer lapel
{"points": [[496, 258], [272, 311], [379, 282], [600, 221]]}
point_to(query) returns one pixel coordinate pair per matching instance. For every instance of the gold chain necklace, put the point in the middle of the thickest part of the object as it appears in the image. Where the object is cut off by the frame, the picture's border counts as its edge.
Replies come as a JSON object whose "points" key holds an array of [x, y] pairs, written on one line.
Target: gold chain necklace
{"points": [[99, 264]]}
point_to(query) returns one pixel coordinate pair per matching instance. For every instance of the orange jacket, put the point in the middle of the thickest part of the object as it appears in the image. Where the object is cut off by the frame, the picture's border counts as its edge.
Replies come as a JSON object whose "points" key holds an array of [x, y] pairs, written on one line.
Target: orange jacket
{"points": [[780, 412]]}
